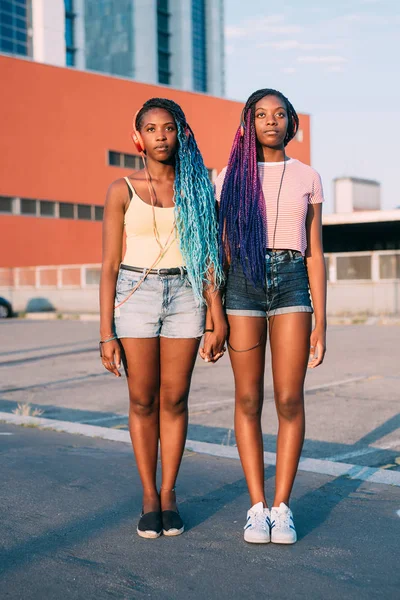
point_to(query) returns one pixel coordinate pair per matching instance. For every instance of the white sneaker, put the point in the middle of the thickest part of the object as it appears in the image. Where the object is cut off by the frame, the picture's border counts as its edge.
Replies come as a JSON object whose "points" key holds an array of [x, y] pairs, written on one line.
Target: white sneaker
{"points": [[282, 525], [257, 528]]}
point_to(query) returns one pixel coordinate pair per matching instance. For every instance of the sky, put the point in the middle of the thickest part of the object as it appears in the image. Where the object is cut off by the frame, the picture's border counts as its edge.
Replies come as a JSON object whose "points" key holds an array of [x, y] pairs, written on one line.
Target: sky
{"points": [[335, 60]]}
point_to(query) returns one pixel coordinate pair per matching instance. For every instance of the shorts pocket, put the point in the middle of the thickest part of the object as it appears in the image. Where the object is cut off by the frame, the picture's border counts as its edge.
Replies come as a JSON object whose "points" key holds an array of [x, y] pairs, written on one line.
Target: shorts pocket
{"points": [[125, 284]]}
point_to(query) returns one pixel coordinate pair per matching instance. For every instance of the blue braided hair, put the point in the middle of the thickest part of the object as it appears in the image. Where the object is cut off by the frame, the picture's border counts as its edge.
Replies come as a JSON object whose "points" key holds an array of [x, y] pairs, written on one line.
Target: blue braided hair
{"points": [[195, 213], [242, 216]]}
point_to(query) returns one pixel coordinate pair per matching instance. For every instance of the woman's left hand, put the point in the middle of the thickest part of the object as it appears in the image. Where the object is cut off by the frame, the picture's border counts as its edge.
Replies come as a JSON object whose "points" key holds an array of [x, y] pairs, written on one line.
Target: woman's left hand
{"points": [[317, 347], [213, 345]]}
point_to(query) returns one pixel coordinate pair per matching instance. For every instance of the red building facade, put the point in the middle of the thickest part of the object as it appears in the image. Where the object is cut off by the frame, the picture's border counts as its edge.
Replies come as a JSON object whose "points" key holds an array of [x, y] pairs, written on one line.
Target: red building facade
{"points": [[65, 136]]}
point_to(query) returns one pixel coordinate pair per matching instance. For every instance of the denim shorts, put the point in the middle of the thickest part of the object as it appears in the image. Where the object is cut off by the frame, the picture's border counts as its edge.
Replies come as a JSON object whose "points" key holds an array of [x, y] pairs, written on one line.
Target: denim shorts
{"points": [[286, 289], [163, 305]]}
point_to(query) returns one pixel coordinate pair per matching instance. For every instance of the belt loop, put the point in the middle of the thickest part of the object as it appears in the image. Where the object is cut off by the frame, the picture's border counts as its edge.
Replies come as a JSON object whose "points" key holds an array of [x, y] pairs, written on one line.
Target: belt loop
{"points": [[181, 272], [291, 254], [144, 271]]}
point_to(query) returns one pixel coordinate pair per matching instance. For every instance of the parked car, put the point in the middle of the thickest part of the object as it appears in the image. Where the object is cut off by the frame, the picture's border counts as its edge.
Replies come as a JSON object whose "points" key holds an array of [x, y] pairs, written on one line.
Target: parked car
{"points": [[6, 310]]}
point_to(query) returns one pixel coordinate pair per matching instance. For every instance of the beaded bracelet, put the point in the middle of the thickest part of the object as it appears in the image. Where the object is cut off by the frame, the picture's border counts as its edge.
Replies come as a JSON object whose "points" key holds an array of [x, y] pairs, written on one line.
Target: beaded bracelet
{"points": [[208, 330]]}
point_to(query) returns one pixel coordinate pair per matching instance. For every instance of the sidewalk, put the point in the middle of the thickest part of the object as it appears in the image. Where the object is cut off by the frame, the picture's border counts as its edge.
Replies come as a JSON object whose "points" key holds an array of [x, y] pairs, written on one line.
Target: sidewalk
{"points": [[70, 505]]}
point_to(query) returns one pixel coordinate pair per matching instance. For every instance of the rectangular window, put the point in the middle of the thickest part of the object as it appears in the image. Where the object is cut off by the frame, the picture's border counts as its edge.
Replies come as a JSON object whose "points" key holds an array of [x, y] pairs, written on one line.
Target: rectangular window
{"points": [[199, 45], [28, 207], [98, 213], [69, 33], [129, 161], [163, 37], [66, 210], [5, 205], [389, 266], [114, 158], [47, 209], [92, 276], [353, 267], [14, 27], [84, 212]]}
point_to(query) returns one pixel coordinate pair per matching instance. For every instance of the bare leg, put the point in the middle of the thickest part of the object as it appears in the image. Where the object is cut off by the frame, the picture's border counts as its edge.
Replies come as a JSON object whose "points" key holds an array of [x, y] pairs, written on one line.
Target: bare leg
{"points": [[177, 360], [143, 373], [248, 369], [289, 339]]}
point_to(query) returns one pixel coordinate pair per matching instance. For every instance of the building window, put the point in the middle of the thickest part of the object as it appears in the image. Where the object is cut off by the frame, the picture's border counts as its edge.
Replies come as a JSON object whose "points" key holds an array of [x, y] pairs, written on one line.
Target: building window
{"points": [[98, 213], [109, 36], [299, 135], [353, 267], [126, 161], [389, 266], [69, 33], [5, 205], [114, 158], [199, 45], [66, 210], [28, 207], [163, 34], [84, 212], [14, 25], [47, 209]]}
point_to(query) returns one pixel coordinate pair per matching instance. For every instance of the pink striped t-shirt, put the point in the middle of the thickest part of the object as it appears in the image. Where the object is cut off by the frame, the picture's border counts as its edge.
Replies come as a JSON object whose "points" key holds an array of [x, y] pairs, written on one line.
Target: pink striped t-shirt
{"points": [[301, 186]]}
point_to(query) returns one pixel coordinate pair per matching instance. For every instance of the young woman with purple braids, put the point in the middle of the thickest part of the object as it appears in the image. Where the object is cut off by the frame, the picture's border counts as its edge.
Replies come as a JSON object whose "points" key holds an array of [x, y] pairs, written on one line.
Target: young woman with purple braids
{"points": [[271, 245]]}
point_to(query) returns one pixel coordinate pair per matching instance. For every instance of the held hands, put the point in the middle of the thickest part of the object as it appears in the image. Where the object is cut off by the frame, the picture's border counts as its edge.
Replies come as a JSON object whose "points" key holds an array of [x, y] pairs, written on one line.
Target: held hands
{"points": [[214, 344], [317, 347], [110, 354]]}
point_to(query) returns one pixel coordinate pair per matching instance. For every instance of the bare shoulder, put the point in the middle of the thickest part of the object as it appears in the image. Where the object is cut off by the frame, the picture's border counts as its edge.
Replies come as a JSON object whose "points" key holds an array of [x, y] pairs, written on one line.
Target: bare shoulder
{"points": [[117, 192]]}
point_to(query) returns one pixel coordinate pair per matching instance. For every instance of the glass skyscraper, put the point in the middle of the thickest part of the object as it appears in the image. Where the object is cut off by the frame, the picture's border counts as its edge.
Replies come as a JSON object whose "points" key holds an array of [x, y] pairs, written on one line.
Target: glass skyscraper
{"points": [[169, 42]]}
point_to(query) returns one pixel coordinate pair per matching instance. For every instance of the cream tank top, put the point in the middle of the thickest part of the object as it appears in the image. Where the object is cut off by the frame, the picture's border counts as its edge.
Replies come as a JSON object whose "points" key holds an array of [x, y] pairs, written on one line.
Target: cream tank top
{"points": [[142, 248]]}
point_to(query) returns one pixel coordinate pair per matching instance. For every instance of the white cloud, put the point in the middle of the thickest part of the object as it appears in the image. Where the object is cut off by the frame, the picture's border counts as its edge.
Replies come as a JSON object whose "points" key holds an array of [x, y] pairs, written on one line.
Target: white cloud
{"points": [[368, 18], [335, 69], [289, 70], [322, 59], [296, 45], [273, 25]]}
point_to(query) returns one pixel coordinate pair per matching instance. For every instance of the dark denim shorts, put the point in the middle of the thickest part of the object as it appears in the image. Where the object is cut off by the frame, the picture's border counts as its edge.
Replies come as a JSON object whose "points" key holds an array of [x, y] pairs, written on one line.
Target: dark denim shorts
{"points": [[286, 289]]}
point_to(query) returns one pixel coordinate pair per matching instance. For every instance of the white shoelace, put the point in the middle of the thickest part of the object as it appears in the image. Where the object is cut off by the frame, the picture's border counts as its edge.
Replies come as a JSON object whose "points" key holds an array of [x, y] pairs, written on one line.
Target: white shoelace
{"points": [[282, 520], [260, 521]]}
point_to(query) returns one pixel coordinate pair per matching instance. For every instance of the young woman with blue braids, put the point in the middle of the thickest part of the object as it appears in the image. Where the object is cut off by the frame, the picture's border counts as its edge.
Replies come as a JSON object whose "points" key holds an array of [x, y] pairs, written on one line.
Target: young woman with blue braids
{"points": [[153, 302], [271, 244]]}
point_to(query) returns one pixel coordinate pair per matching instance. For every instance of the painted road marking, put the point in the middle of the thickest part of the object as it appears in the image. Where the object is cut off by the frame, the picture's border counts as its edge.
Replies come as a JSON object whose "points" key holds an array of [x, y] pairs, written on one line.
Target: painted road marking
{"points": [[310, 465], [315, 388], [360, 452], [102, 419], [5, 433]]}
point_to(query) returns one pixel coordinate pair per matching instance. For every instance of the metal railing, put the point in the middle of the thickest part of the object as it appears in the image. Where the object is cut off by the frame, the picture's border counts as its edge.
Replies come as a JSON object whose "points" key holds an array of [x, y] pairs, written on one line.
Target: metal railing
{"points": [[341, 267]]}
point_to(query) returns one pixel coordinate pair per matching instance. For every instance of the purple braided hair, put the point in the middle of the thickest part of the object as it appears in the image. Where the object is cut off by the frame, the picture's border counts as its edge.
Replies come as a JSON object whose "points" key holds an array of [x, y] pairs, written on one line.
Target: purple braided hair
{"points": [[242, 214]]}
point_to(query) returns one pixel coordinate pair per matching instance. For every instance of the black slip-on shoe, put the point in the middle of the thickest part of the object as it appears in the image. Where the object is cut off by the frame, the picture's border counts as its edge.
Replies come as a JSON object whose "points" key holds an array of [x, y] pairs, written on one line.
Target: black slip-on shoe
{"points": [[150, 525], [172, 523]]}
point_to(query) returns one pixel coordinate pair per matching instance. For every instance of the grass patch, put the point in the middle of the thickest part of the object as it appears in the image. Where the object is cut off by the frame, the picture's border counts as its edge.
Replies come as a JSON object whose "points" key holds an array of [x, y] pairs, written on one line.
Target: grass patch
{"points": [[26, 410]]}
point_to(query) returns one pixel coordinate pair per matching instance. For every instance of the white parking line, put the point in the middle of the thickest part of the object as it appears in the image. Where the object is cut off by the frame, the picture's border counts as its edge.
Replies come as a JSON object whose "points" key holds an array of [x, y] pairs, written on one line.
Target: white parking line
{"points": [[315, 388], [102, 419], [346, 455], [5, 433], [310, 465]]}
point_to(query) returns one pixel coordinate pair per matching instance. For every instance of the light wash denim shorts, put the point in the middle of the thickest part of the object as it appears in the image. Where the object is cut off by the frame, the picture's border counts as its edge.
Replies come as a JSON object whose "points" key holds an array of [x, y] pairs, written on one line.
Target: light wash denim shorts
{"points": [[286, 288], [163, 305]]}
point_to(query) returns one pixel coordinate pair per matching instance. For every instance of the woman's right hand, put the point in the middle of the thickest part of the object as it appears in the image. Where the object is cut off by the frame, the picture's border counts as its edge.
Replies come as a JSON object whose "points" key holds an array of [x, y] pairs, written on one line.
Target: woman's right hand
{"points": [[111, 357]]}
